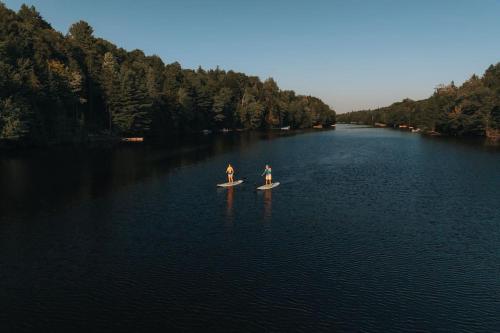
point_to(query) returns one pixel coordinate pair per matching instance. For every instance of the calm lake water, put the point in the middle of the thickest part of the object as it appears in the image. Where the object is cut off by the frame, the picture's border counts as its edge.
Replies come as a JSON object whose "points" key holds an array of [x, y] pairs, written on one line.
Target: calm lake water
{"points": [[370, 230]]}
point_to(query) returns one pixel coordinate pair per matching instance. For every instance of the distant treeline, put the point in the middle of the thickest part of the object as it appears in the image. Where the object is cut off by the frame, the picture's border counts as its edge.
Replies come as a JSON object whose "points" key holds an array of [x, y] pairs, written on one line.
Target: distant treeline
{"points": [[471, 109], [57, 88]]}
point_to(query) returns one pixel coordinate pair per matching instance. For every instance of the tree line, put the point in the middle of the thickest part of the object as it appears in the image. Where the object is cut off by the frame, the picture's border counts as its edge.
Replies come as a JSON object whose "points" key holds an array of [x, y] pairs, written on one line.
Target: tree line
{"points": [[473, 109], [57, 88]]}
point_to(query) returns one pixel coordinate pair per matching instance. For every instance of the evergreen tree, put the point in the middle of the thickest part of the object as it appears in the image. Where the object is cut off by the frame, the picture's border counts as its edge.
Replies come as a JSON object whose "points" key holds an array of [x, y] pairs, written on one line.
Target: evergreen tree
{"points": [[222, 106], [133, 114], [111, 85]]}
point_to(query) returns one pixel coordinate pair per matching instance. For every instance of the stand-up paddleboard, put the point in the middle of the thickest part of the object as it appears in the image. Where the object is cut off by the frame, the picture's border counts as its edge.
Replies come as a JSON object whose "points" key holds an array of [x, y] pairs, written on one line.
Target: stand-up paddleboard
{"points": [[237, 182], [268, 187]]}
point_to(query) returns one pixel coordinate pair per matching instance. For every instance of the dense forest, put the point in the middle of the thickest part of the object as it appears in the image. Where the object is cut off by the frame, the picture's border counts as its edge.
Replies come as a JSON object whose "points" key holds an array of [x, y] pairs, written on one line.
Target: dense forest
{"points": [[57, 88], [473, 109]]}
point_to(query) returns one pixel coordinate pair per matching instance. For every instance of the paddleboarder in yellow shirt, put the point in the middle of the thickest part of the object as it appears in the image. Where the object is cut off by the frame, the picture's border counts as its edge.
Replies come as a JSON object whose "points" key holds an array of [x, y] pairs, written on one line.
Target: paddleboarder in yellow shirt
{"points": [[230, 173]]}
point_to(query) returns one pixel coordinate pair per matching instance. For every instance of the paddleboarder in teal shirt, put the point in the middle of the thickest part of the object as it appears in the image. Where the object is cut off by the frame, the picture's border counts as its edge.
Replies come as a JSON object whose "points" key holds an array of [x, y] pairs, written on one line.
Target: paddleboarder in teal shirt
{"points": [[268, 173]]}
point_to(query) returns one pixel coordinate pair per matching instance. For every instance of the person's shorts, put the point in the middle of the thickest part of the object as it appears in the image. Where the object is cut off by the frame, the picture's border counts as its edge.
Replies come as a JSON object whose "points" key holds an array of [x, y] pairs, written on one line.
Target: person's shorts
{"points": [[268, 177]]}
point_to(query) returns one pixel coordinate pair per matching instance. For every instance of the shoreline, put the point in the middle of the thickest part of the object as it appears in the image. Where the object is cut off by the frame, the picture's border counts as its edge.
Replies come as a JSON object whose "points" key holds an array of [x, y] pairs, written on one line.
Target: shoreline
{"points": [[491, 136], [109, 141]]}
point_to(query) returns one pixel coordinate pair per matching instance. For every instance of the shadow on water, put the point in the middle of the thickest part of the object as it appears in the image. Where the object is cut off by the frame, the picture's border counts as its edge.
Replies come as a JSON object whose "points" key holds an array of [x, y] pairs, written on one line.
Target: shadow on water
{"points": [[43, 181]]}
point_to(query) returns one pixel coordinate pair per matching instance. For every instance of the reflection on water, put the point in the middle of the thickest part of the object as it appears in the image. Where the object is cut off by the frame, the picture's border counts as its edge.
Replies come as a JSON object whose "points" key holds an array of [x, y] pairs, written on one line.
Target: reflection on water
{"points": [[268, 197], [473, 143], [229, 205]]}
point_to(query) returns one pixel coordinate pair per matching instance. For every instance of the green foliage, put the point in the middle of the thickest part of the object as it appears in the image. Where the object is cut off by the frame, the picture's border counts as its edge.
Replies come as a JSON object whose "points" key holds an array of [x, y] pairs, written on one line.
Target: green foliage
{"points": [[15, 120], [222, 105], [82, 33], [57, 88], [133, 113], [471, 109]]}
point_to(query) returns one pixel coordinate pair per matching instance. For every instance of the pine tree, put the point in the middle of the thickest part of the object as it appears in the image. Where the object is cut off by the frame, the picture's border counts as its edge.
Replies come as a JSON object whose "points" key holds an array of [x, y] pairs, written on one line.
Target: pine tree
{"points": [[222, 105], [134, 113], [111, 85]]}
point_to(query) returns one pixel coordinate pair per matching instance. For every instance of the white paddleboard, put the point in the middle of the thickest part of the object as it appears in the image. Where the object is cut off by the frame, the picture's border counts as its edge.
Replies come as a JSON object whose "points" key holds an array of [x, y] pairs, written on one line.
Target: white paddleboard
{"points": [[268, 187], [237, 182]]}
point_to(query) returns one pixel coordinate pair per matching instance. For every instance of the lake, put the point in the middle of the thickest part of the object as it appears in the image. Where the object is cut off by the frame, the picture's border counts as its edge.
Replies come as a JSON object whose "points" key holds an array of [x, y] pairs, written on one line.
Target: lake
{"points": [[370, 230]]}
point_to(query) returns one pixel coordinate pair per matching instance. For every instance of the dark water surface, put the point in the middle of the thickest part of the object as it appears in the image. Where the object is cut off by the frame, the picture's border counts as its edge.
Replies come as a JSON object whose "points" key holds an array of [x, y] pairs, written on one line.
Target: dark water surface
{"points": [[371, 230]]}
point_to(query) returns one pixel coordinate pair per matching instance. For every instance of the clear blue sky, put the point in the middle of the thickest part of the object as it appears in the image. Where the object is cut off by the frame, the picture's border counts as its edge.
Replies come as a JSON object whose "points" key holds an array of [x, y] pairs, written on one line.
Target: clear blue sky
{"points": [[352, 54]]}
